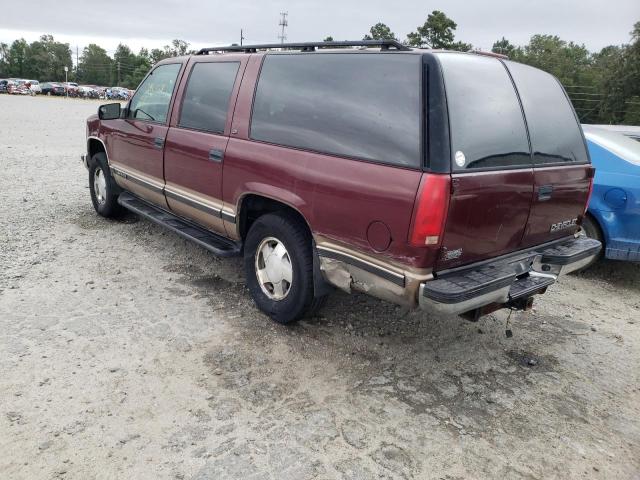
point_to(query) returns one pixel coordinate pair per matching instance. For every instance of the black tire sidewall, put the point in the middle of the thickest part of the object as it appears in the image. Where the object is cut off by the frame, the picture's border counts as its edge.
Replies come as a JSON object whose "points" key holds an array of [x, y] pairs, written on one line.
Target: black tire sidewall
{"points": [[110, 207], [298, 244], [591, 230]]}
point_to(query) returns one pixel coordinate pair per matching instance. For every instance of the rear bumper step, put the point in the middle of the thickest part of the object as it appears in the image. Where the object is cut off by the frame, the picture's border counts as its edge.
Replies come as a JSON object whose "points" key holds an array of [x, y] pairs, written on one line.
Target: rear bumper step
{"points": [[506, 280], [220, 246]]}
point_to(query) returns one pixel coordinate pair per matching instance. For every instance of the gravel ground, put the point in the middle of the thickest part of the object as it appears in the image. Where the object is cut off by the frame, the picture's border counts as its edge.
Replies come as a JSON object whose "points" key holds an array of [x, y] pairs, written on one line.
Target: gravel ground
{"points": [[129, 353]]}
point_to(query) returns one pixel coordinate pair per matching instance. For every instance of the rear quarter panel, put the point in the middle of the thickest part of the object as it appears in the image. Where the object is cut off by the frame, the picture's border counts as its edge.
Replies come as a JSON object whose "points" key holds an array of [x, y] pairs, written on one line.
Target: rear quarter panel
{"points": [[338, 197]]}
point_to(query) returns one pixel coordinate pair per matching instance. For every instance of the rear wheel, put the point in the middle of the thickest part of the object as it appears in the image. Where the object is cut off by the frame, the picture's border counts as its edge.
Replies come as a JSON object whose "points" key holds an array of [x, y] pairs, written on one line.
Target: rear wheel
{"points": [[590, 229], [278, 265], [101, 186]]}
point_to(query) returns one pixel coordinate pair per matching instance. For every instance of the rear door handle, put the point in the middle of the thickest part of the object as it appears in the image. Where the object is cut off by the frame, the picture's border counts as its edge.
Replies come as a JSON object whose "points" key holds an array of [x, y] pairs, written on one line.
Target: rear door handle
{"points": [[158, 142], [216, 155], [545, 193]]}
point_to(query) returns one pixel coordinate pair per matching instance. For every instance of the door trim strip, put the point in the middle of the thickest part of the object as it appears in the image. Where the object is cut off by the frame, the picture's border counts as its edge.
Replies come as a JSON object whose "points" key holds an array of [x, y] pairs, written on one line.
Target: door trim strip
{"points": [[179, 196]]}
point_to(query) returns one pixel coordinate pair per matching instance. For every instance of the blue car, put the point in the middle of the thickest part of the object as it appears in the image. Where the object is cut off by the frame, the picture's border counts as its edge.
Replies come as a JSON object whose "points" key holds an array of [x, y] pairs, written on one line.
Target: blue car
{"points": [[613, 215]]}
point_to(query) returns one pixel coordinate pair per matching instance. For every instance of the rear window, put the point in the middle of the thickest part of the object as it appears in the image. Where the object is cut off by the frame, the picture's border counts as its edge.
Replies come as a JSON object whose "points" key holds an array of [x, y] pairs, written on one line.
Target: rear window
{"points": [[356, 105], [487, 127], [553, 127]]}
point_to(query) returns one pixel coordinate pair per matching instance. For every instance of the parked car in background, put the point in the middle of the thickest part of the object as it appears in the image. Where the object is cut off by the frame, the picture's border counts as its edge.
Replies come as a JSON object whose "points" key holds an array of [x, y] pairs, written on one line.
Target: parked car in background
{"points": [[3, 85], [321, 168], [20, 87], [71, 88], [85, 91], [52, 88], [35, 86], [117, 93], [613, 217]]}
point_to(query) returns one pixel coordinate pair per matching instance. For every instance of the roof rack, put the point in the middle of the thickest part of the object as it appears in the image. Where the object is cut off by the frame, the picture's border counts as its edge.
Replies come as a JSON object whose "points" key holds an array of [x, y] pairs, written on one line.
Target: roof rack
{"points": [[307, 46]]}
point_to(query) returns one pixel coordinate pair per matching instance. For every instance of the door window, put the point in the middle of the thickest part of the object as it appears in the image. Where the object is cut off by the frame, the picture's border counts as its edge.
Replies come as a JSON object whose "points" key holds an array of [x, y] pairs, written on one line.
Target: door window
{"points": [[151, 101], [206, 99], [487, 127]]}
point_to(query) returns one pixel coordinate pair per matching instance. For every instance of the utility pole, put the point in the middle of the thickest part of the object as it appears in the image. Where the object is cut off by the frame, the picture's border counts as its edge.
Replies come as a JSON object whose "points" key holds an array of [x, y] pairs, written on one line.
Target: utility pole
{"points": [[241, 37], [118, 73], [283, 24], [77, 63]]}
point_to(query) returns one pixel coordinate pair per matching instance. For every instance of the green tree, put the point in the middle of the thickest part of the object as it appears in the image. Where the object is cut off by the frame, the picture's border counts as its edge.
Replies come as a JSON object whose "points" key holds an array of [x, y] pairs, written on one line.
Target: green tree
{"points": [[621, 83], [503, 47], [438, 31], [176, 49], [380, 31], [17, 56], [95, 66], [4, 59], [328, 39]]}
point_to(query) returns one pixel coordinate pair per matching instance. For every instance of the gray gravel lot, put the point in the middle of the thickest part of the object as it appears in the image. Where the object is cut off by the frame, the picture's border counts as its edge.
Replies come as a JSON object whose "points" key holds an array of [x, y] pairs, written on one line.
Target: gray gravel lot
{"points": [[129, 353]]}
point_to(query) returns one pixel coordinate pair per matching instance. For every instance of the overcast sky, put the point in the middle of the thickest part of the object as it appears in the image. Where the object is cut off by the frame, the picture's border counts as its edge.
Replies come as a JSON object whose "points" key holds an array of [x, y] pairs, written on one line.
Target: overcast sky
{"points": [[595, 23]]}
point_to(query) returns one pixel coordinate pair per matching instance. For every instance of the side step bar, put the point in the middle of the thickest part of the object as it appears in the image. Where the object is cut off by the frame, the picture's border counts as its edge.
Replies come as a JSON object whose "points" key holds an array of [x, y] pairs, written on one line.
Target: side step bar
{"points": [[216, 244]]}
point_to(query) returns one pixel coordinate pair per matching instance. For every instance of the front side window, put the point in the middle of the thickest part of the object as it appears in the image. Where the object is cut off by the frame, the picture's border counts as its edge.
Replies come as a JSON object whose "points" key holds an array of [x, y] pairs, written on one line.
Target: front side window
{"points": [[151, 101], [206, 99], [555, 132], [487, 127], [349, 104]]}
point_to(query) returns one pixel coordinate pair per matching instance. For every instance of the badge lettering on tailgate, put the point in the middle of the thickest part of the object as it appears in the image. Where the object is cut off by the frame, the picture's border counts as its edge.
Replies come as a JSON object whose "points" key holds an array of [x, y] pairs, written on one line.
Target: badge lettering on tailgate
{"points": [[555, 227]]}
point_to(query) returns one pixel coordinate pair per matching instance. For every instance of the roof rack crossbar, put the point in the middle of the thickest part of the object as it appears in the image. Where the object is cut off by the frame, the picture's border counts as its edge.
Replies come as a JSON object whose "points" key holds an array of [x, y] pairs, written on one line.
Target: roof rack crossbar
{"points": [[307, 46]]}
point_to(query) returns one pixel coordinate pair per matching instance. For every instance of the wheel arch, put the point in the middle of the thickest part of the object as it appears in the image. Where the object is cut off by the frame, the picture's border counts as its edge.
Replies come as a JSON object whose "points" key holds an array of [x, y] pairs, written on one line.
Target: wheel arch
{"points": [[594, 217], [96, 145], [253, 205]]}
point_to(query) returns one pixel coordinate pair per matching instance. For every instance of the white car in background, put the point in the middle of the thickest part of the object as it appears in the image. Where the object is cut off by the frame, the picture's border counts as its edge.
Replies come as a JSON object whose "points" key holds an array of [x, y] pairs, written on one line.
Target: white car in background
{"points": [[35, 87]]}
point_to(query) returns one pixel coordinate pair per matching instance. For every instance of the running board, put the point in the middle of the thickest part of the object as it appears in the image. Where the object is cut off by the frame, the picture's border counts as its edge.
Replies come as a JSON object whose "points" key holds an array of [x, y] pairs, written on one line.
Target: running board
{"points": [[216, 244]]}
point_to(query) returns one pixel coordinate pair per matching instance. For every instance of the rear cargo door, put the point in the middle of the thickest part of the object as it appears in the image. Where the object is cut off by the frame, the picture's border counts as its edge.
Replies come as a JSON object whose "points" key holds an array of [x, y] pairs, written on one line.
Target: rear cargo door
{"points": [[492, 174], [562, 171]]}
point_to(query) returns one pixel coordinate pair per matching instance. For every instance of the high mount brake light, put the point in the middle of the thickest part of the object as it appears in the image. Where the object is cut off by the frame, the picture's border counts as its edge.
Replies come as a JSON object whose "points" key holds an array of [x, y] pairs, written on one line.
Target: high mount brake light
{"points": [[430, 211]]}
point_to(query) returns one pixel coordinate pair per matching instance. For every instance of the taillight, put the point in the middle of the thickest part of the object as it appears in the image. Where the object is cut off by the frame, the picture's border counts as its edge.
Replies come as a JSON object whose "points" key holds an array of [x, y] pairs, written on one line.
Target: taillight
{"points": [[591, 175], [430, 210]]}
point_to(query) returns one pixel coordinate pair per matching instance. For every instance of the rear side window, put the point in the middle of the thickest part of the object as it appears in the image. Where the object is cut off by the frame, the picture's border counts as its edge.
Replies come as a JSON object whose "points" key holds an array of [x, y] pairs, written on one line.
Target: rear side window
{"points": [[356, 105], [554, 130], [486, 123], [206, 99]]}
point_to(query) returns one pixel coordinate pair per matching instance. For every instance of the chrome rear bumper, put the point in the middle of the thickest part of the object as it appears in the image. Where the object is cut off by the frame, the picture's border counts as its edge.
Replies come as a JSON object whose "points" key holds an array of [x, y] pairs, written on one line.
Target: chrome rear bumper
{"points": [[506, 280]]}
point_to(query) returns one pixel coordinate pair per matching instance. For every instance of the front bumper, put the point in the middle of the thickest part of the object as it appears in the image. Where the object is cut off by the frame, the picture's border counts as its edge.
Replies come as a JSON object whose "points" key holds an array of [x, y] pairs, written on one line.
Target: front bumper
{"points": [[506, 280]]}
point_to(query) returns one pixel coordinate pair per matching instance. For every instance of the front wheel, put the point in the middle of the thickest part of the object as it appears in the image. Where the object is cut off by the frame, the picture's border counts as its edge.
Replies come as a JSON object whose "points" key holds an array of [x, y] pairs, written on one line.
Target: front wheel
{"points": [[101, 186], [278, 264]]}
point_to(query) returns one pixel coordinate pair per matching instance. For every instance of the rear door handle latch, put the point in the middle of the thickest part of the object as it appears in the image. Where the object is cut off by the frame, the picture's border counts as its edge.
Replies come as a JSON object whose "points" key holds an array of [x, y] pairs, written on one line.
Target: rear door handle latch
{"points": [[545, 192], [158, 142], [216, 155]]}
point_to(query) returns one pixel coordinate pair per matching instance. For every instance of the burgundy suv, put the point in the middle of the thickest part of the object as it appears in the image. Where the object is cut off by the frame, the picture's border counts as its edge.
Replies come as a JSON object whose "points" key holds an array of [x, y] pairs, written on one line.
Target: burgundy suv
{"points": [[451, 181]]}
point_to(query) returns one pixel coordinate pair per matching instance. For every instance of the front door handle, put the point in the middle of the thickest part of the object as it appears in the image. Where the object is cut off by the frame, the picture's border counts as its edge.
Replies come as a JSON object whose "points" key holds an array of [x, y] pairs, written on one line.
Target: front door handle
{"points": [[216, 155], [158, 142], [545, 192]]}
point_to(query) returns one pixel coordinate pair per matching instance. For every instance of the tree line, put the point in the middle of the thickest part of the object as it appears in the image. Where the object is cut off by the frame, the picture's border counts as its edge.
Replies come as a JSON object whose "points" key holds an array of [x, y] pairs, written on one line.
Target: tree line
{"points": [[45, 60], [604, 86]]}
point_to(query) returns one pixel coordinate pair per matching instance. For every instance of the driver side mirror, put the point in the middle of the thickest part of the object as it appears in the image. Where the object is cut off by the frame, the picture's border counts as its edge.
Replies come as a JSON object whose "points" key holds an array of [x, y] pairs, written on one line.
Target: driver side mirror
{"points": [[109, 111]]}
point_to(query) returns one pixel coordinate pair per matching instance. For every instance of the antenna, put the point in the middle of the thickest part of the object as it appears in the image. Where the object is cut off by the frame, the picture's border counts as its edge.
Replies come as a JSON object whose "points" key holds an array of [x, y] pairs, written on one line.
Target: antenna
{"points": [[242, 37], [283, 23]]}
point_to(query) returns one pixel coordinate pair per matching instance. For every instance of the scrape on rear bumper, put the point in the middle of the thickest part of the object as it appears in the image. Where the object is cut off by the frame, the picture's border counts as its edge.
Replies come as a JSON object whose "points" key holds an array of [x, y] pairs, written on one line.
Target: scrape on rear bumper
{"points": [[506, 280]]}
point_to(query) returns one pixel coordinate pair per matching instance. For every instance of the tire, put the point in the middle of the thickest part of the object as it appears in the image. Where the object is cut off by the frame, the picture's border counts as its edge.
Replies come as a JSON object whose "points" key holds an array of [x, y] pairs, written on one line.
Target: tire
{"points": [[102, 187], [279, 246], [591, 229]]}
